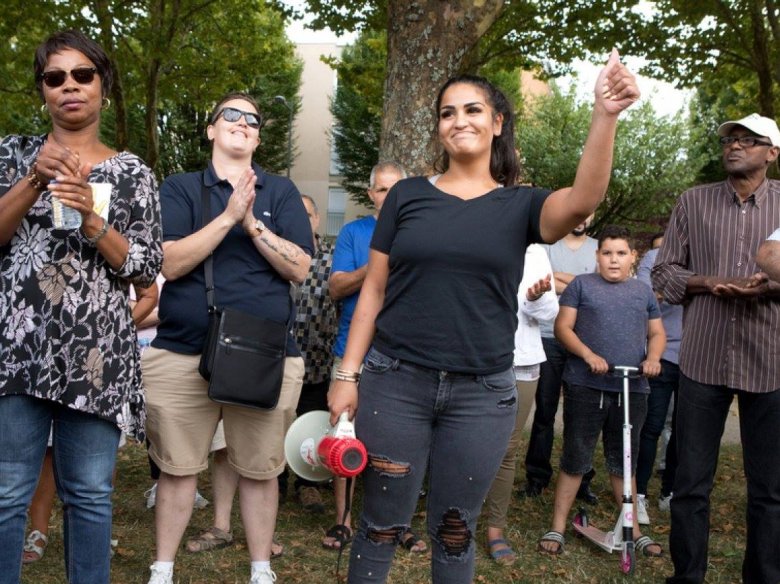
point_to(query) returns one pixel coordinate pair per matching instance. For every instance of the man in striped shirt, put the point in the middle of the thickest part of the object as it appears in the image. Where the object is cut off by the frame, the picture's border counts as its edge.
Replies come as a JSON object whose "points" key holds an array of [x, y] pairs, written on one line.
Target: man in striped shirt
{"points": [[730, 346]]}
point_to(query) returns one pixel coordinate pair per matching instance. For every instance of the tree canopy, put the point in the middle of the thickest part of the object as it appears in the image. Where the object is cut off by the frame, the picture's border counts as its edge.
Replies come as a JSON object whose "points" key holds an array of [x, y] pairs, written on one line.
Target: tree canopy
{"points": [[656, 157]]}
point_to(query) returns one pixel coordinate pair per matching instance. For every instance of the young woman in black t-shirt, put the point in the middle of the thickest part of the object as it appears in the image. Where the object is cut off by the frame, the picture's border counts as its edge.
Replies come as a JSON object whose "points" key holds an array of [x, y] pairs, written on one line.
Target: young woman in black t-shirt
{"points": [[438, 311]]}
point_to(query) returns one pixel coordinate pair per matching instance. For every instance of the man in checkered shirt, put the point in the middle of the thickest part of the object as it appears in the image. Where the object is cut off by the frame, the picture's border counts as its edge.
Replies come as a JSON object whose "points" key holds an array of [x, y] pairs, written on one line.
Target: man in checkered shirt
{"points": [[315, 329]]}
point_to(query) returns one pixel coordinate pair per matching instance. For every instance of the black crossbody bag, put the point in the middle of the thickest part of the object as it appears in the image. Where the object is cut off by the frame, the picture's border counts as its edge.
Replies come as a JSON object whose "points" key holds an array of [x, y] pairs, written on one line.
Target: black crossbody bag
{"points": [[243, 355]]}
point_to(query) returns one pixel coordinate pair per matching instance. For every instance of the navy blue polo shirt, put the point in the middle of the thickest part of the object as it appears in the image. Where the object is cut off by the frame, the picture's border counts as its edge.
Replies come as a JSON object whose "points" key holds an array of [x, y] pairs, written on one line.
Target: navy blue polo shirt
{"points": [[243, 279]]}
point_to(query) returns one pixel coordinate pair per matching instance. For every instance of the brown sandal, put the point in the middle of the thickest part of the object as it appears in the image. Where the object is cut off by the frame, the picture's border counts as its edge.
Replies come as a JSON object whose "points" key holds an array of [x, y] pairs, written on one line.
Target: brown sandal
{"points": [[209, 539], [412, 543]]}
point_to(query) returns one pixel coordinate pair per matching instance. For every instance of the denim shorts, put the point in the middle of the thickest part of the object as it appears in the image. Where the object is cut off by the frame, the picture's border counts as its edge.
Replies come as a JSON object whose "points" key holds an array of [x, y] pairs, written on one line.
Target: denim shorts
{"points": [[588, 412]]}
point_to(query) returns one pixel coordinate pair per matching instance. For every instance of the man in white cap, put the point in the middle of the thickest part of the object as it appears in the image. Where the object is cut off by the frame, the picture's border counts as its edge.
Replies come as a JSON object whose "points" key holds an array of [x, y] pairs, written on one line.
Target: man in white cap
{"points": [[730, 346]]}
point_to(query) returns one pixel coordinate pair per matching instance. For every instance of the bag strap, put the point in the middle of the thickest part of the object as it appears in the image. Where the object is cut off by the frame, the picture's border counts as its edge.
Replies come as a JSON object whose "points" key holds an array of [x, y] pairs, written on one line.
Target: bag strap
{"points": [[208, 263]]}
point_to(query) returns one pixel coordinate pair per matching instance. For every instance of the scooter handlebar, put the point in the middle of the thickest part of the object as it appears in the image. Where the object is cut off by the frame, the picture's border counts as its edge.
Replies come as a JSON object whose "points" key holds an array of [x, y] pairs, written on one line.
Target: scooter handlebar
{"points": [[625, 371]]}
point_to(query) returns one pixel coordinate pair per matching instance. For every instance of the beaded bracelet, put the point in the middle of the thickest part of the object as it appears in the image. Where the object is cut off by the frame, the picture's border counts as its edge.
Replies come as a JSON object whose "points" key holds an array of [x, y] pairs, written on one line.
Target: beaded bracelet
{"points": [[32, 178]]}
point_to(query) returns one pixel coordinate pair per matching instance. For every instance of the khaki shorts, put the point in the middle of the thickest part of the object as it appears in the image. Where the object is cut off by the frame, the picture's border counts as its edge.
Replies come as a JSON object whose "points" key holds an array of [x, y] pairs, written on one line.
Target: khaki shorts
{"points": [[182, 420]]}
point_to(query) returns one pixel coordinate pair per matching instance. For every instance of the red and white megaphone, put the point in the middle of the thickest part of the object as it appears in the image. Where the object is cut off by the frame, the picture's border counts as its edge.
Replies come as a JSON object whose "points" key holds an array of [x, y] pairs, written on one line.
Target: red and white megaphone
{"points": [[316, 451]]}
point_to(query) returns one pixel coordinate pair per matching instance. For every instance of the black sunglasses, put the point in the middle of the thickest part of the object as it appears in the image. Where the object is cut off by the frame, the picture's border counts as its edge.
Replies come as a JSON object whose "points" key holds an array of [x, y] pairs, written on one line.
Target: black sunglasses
{"points": [[81, 75], [232, 114]]}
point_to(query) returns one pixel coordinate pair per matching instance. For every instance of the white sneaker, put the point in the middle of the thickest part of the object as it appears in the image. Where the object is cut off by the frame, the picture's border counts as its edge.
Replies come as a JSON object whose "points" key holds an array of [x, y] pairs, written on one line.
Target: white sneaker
{"points": [[664, 503], [641, 511], [201, 502], [263, 577], [151, 496], [160, 575]]}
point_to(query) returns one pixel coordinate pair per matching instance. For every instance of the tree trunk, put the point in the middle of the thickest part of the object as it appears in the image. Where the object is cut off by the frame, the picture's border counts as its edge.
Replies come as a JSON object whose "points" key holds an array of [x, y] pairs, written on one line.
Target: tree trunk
{"points": [[103, 14], [150, 116], [427, 42], [762, 60]]}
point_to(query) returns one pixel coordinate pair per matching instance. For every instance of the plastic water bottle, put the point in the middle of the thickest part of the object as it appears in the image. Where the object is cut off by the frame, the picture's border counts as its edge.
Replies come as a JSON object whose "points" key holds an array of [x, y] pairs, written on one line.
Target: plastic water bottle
{"points": [[64, 217]]}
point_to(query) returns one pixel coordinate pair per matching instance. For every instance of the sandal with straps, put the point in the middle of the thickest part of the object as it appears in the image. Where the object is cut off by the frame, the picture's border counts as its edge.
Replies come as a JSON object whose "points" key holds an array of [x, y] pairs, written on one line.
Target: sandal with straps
{"points": [[341, 536], [503, 555], [412, 543], [209, 539], [642, 544], [553, 537], [33, 551]]}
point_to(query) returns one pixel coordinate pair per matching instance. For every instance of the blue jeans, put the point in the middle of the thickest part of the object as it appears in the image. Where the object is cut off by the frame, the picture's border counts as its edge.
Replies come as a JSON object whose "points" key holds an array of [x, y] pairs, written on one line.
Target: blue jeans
{"points": [[662, 389], [413, 418], [701, 417], [84, 449]]}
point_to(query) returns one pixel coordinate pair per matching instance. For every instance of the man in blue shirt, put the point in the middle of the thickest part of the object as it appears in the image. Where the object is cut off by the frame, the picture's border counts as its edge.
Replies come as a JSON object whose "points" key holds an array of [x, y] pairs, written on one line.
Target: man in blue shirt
{"points": [[350, 257], [350, 262]]}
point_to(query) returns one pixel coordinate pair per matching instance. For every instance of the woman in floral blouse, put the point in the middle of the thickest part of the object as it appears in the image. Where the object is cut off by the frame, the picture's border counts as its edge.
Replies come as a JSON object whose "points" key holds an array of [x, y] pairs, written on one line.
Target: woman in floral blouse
{"points": [[67, 343]]}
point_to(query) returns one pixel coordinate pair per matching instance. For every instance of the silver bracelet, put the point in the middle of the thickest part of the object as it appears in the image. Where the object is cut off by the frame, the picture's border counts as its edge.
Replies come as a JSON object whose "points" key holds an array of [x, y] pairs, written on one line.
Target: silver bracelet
{"points": [[344, 375], [99, 235]]}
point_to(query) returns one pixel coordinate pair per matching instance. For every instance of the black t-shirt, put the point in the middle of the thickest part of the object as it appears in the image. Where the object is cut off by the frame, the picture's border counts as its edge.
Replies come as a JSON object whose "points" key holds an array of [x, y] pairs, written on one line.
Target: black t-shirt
{"points": [[243, 279], [455, 266]]}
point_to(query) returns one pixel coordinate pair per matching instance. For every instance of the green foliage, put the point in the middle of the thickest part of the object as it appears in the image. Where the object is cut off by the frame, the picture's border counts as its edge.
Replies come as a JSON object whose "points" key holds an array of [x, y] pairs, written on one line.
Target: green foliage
{"points": [[175, 59], [357, 110], [714, 44], [656, 158]]}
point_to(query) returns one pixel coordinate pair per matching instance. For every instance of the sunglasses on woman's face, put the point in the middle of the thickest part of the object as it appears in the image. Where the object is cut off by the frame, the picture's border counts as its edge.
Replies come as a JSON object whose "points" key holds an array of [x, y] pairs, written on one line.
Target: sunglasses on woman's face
{"points": [[232, 114], [81, 75]]}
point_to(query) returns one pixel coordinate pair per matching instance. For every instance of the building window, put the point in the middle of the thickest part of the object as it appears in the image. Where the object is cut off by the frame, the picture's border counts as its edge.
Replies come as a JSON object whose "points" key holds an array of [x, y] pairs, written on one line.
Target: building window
{"points": [[337, 205]]}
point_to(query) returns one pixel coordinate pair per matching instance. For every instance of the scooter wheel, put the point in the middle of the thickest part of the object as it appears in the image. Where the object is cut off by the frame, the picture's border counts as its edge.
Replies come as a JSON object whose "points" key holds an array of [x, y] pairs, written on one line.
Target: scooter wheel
{"points": [[628, 559], [581, 518]]}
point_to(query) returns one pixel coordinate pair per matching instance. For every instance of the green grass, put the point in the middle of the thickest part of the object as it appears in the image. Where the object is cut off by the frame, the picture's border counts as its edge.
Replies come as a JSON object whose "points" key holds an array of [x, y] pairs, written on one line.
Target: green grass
{"points": [[304, 561]]}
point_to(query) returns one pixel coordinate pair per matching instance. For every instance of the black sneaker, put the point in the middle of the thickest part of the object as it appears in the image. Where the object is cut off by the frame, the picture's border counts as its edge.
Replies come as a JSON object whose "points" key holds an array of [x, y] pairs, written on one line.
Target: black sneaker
{"points": [[532, 489], [585, 495]]}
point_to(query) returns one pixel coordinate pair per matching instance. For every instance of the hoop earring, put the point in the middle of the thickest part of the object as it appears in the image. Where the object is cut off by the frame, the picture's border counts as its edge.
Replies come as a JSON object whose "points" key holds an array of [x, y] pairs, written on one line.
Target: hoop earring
{"points": [[106, 104], [44, 110]]}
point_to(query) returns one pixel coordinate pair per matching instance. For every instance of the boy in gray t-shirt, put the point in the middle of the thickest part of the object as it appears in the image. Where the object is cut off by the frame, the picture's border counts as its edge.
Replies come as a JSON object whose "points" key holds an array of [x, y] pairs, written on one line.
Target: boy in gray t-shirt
{"points": [[605, 319]]}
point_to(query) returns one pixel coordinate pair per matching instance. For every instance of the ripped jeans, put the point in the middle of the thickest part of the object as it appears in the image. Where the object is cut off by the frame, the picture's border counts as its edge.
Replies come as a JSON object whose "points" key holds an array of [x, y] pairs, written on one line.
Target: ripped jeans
{"points": [[414, 419]]}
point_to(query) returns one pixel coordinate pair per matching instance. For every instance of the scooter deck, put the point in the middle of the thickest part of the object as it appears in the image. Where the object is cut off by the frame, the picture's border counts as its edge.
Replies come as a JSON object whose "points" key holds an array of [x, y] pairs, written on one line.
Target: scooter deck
{"points": [[604, 539]]}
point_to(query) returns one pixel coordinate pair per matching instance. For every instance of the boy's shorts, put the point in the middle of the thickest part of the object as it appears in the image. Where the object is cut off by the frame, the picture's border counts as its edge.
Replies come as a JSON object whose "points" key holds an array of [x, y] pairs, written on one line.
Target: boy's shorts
{"points": [[588, 412], [182, 420]]}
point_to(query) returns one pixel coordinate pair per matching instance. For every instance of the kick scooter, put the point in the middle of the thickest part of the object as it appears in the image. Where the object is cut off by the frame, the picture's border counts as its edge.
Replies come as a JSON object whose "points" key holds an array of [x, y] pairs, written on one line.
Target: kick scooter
{"points": [[621, 538]]}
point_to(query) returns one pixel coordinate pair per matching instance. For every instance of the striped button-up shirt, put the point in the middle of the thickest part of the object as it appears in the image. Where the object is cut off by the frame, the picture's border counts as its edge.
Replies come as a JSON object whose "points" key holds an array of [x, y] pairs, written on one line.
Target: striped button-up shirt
{"points": [[734, 342]]}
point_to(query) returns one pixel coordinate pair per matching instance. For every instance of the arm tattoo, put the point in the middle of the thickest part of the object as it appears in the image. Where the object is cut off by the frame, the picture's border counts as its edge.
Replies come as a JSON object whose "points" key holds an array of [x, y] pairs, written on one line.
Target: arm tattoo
{"points": [[288, 251]]}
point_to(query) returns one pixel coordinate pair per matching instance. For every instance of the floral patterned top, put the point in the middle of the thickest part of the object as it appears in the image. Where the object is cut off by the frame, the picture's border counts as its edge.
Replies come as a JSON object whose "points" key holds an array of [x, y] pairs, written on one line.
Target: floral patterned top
{"points": [[66, 333]]}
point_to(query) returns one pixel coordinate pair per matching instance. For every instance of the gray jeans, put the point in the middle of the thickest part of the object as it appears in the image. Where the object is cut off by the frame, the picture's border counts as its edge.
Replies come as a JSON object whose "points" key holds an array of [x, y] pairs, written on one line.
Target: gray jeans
{"points": [[414, 419]]}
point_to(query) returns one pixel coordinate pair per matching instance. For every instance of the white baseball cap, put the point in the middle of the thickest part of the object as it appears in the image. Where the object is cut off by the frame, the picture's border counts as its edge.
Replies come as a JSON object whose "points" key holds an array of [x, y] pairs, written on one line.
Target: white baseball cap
{"points": [[759, 125]]}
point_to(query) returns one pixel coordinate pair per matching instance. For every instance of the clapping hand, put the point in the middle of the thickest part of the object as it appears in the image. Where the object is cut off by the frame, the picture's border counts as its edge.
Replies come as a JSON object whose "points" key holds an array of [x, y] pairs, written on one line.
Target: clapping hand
{"points": [[242, 198]]}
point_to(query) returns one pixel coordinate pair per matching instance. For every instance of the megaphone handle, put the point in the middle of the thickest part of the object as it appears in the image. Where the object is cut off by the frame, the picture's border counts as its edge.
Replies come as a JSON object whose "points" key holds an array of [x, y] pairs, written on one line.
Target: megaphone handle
{"points": [[344, 416]]}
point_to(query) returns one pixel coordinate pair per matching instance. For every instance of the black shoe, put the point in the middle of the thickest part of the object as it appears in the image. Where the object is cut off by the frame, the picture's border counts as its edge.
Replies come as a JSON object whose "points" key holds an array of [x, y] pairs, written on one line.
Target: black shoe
{"points": [[587, 496], [532, 489]]}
